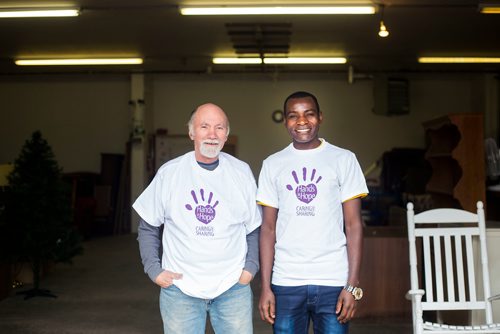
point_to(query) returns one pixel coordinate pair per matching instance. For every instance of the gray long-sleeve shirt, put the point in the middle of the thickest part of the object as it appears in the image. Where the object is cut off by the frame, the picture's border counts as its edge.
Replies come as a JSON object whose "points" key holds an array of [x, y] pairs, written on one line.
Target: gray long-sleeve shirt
{"points": [[151, 249]]}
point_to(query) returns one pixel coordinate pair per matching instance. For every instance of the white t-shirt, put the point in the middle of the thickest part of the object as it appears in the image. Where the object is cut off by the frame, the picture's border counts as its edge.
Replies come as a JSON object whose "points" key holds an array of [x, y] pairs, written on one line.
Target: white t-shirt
{"points": [[308, 188], [206, 216]]}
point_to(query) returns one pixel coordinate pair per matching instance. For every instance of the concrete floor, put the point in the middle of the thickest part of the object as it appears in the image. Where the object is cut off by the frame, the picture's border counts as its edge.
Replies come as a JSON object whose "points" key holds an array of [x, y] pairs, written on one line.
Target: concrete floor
{"points": [[106, 292]]}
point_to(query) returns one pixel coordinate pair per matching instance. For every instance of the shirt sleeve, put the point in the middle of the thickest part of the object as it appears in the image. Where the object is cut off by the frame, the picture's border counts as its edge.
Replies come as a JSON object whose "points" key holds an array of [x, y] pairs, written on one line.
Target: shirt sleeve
{"points": [[252, 258], [353, 182], [149, 204], [266, 193], [150, 248], [255, 212]]}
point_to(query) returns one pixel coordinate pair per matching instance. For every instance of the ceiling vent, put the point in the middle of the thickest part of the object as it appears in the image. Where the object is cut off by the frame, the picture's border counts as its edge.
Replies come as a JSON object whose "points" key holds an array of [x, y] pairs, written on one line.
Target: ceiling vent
{"points": [[260, 38]]}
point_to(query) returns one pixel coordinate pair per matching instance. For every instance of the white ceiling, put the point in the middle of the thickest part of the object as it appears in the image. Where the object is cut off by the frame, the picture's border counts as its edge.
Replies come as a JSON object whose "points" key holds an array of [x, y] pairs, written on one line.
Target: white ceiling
{"points": [[169, 42]]}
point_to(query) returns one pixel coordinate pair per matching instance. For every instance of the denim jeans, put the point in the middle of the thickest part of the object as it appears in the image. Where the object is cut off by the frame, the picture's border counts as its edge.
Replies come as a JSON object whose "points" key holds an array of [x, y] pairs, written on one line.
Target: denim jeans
{"points": [[297, 305], [230, 313]]}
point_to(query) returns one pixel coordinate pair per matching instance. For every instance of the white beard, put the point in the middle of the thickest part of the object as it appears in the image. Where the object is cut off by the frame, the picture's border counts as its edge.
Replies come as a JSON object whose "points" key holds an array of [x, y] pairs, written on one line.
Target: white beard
{"points": [[210, 151]]}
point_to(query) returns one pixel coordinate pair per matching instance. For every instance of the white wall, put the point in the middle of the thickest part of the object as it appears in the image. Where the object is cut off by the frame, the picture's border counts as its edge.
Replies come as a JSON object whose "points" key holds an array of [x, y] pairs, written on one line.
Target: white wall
{"points": [[86, 115], [80, 117], [347, 110]]}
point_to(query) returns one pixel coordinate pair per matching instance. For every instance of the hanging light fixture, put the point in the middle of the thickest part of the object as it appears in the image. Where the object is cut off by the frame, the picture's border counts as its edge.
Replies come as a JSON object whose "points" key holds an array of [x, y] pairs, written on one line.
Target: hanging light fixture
{"points": [[383, 32]]}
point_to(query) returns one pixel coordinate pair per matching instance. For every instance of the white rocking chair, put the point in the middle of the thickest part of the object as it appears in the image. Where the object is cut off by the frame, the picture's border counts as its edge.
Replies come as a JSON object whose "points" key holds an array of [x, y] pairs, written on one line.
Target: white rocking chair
{"points": [[449, 282]]}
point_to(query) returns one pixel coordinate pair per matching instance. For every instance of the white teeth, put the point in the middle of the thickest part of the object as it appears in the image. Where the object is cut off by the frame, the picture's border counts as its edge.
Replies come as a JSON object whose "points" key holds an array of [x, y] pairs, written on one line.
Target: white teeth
{"points": [[207, 142], [303, 130]]}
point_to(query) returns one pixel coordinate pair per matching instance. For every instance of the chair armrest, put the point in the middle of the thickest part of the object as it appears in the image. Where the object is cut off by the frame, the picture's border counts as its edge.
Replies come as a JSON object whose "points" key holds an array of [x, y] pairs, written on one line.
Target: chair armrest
{"points": [[495, 297], [412, 293]]}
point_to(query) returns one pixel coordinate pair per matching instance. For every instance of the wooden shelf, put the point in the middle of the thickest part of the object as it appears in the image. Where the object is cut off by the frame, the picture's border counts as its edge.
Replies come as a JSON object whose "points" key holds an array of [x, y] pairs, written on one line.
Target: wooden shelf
{"points": [[442, 140], [432, 155], [456, 153], [442, 191]]}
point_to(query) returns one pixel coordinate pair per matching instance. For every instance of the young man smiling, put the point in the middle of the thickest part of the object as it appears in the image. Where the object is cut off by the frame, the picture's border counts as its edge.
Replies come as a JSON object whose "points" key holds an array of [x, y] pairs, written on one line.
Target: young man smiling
{"points": [[311, 235]]}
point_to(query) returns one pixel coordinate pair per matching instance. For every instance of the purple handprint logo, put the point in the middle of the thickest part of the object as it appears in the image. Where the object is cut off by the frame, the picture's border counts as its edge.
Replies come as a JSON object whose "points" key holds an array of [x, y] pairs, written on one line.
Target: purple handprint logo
{"points": [[204, 213], [305, 193]]}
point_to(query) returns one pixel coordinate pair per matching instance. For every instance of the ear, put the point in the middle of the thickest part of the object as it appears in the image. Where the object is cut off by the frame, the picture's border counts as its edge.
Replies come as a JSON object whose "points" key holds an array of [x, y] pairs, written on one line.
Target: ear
{"points": [[320, 117], [191, 135]]}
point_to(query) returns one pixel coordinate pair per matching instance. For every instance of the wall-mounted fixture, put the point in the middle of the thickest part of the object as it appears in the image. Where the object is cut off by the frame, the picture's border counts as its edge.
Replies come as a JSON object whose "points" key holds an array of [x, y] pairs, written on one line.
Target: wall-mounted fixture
{"points": [[38, 12], [137, 113], [81, 61], [277, 116], [277, 10], [390, 95]]}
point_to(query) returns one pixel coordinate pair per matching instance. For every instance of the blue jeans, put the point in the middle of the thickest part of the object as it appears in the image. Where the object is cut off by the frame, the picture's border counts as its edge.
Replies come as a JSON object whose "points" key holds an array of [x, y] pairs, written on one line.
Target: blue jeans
{"points": [[230, 313], [297, 305]]}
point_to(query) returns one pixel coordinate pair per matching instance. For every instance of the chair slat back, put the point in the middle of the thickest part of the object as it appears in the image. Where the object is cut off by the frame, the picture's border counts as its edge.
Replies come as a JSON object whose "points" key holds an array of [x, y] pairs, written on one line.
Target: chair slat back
{"points": [[449, 279], [460, 270], [470, 264], [450, 282]]}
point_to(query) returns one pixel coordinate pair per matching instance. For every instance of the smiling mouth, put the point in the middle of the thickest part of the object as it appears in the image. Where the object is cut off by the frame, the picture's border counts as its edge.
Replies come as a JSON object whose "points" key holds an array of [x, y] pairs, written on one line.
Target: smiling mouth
{"points": [[214, 143], [303, 130]]}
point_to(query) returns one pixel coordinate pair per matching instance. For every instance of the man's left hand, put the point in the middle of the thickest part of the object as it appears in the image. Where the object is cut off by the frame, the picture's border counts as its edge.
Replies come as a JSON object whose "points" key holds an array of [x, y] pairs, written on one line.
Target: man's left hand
{"points": [[346, 307], [245, 277]]}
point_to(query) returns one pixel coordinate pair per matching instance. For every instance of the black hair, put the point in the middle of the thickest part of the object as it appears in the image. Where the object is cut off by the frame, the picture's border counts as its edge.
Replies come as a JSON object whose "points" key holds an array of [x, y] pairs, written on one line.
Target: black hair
{"points": [[301, 95]]}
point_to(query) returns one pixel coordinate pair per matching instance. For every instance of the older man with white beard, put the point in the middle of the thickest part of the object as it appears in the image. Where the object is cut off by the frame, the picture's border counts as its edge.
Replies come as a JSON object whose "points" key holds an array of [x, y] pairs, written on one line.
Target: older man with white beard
{"points": [[207, 254]]}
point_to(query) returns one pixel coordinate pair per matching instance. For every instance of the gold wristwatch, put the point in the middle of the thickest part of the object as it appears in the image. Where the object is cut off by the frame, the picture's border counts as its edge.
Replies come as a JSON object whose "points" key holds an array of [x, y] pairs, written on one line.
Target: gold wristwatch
{"points": [[355, 291]]}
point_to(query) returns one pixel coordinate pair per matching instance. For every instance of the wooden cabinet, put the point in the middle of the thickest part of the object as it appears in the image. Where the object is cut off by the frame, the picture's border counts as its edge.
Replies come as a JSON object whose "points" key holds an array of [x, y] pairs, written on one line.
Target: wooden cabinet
{"points": [[455, 151], [385, 274]]}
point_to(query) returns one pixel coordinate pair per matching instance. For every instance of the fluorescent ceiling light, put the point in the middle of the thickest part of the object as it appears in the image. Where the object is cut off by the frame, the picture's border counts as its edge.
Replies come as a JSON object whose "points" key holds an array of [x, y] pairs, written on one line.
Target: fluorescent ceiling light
{"points": [[281, 60], [237, 61], [489, 8], [84, 61], [16, 13], [277, 10], [306, 60], [462, 60]]}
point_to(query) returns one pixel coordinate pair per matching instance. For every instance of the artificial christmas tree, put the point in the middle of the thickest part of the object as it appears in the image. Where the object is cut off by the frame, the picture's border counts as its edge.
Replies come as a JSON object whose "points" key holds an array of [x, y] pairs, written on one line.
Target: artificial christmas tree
{"points": [[37, 214]]}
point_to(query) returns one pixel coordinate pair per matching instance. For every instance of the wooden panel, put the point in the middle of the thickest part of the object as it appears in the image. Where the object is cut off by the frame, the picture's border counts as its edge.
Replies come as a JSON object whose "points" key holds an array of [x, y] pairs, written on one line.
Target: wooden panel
{"points": [[385, 277]]}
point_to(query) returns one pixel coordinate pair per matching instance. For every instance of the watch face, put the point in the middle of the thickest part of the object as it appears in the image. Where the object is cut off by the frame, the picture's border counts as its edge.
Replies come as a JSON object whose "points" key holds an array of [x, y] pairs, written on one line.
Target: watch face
{"points": [[357, 293]]}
